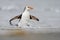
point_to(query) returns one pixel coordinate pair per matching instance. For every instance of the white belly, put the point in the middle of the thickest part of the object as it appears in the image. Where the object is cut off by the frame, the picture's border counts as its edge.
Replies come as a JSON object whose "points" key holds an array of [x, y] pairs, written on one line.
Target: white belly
{"points": [[24, 20]]}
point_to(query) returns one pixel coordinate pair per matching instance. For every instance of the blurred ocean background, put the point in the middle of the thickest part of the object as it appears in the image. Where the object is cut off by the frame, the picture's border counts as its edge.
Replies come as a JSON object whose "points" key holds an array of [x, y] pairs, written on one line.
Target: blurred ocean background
{"points": [[48, 12]]}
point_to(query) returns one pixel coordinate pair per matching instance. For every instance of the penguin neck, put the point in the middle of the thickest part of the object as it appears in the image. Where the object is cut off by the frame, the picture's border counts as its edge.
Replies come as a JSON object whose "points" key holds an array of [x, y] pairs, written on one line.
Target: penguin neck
{"points": [[26, 11], [25, 14]]}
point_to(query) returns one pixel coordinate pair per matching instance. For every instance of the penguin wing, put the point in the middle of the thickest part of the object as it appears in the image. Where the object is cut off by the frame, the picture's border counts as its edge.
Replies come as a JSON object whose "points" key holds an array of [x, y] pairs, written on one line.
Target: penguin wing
{"points": [[34, 18], [16, 17]]}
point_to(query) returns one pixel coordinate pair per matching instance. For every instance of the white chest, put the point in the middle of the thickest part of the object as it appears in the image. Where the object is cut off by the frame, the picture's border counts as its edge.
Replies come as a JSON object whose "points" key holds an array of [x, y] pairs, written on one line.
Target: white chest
{"points": [[25, 15], [25, 18]]}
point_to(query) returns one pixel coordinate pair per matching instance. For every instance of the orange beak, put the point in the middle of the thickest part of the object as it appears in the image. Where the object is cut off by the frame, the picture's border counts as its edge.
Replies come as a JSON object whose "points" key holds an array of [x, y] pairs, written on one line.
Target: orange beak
{"points": [[30, 7]]}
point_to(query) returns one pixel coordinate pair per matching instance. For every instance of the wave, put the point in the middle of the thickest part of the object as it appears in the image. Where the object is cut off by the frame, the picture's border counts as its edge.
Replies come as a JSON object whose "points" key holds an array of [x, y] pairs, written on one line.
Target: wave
{"points": [[8, 8]]}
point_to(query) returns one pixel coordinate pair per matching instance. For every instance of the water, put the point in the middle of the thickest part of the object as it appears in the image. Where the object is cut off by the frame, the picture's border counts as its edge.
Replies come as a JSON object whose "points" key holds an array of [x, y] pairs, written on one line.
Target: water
{"points": [[48, 12]]}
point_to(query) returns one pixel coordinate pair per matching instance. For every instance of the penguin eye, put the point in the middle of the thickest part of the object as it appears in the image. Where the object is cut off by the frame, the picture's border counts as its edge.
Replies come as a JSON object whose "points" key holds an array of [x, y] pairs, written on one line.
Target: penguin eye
{"points": [[28, 7]]}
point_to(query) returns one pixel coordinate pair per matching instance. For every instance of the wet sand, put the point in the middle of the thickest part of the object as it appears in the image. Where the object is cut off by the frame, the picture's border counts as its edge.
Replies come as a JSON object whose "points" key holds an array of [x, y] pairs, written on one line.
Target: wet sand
{"points": [[24, 35]]}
